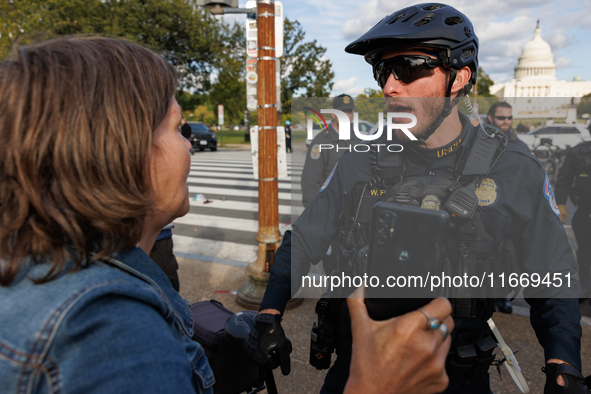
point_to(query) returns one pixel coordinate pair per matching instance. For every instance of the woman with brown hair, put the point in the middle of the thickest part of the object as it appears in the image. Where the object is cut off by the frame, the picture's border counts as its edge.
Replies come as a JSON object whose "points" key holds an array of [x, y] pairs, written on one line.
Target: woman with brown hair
{"points": [[92, 167]]}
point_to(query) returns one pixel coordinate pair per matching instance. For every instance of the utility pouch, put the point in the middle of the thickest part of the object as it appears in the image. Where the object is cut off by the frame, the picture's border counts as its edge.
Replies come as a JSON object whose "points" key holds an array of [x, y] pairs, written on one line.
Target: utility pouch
{"points": [[472, 359]]}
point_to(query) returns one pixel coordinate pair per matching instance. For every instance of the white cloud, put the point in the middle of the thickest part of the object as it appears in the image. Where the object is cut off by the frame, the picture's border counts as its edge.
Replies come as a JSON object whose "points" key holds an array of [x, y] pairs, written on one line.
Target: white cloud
{"points": [[563, 62], [557, 39], [355, 91], [503, 27], [345, 84]]}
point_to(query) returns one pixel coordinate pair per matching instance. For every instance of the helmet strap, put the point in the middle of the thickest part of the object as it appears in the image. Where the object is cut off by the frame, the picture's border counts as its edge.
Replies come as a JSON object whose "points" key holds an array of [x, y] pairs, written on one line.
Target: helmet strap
{"points": [[445, 111]]}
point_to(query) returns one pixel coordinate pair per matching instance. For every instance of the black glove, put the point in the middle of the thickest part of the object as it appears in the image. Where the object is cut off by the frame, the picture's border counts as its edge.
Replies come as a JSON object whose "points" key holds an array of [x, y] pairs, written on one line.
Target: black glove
{"points": [[575, 382], [267, 345]]}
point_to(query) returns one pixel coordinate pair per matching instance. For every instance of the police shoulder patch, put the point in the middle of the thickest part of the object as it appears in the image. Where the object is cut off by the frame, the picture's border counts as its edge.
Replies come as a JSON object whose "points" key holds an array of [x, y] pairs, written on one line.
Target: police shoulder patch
{"points": [[315, 152], [487, 192], [549, 196], [329, 178]]}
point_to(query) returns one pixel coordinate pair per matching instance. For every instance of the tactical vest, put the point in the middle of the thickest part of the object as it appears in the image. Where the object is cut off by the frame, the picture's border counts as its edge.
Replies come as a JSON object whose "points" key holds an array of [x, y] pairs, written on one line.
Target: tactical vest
{"points": [[470, 249], [582, 184]]}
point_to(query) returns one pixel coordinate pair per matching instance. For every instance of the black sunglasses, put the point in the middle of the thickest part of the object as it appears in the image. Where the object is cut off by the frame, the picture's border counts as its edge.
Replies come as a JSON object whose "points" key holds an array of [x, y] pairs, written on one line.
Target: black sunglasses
{"points": [[406, 68], [503, 117]]}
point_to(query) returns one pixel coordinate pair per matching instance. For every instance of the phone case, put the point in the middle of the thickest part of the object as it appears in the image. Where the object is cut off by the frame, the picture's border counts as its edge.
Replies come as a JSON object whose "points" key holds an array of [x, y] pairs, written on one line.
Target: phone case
{"points": [[409, 244]]}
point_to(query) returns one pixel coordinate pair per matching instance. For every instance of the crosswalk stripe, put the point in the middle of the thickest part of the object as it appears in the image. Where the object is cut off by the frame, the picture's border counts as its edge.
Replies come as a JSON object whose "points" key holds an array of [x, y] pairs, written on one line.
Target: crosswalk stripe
{"points": [[218, 222], [228, 167], [247, 206], [234, 175], [196, 220], [234, 182], [239, 192], [220, 249], [225, 228]]}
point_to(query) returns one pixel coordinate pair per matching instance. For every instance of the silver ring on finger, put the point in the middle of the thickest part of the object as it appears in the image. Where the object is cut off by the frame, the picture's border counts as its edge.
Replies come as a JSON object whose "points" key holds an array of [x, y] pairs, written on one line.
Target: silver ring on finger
{"points": [[444, 330], [433, 323]]}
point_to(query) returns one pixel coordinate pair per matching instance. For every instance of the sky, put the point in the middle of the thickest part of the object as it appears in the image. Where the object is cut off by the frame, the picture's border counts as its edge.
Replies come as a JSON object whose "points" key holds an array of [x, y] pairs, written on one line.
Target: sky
{"points": [[502, 26]]}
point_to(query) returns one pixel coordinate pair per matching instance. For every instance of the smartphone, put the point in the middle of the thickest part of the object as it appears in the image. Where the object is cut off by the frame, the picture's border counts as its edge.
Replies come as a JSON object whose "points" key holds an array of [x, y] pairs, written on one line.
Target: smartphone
{"points": [[406, 246]]}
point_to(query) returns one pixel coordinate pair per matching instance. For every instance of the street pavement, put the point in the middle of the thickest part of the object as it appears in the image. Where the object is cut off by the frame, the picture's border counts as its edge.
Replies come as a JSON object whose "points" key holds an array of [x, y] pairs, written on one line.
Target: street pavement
{"points": [[217, 241], [221, 226]]}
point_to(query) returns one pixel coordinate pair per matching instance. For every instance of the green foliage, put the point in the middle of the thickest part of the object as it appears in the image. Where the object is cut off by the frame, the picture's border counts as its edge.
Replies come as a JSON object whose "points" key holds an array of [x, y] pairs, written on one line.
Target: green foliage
{"points": [[304, 70], [584, 106], [184, 34], [483, 84], [370, 104], [201, 114], [188, 101], [483, 104], [230, 86], [198, 44]]}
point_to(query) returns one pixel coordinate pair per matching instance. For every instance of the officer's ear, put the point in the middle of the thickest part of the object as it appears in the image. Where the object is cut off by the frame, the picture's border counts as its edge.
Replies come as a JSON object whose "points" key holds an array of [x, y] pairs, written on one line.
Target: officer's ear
{"points": [[462, 78]]}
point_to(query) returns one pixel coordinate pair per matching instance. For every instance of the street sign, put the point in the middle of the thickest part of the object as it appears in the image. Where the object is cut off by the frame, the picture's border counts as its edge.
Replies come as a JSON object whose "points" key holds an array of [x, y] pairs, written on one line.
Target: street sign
{"points": [[213, 3], [251, 37], [281, 153], [278, 29], [251, 30], [220, 115], [252, 54]]}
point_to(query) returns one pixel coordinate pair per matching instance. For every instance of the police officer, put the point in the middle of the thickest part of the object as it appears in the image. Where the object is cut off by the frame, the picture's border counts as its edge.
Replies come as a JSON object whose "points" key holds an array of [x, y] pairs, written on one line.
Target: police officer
{"points": [[288, 147], [500, 115], [320, 162], [574, 180], [430, 50]]}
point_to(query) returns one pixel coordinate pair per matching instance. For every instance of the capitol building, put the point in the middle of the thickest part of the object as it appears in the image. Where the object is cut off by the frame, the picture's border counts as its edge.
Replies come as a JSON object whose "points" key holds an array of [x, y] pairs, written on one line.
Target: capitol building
{"points": [[534, 90]]}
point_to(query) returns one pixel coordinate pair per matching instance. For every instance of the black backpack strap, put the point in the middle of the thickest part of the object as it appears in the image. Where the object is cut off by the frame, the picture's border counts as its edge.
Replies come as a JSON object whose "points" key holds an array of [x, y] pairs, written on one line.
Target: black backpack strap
{"points": [[487, 146]]}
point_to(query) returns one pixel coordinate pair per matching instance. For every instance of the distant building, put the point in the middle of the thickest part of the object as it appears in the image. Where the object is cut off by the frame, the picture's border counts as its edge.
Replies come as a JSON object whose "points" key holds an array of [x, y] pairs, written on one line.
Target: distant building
{"points": [[535, 79]]}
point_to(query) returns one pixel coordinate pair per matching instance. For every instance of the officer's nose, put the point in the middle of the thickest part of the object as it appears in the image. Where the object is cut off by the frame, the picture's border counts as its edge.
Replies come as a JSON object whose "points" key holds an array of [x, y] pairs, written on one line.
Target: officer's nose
{"points": [[393, 87]]}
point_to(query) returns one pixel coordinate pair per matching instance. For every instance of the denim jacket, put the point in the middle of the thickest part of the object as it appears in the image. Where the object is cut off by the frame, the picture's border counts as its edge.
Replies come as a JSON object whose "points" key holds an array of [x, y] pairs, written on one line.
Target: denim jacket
{"points": [[114, 327]]}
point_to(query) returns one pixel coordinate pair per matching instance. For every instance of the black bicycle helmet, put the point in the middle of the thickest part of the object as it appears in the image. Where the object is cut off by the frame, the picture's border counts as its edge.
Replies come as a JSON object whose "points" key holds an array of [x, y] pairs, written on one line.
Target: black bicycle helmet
{"points": [[428, 25], [431, 25]]}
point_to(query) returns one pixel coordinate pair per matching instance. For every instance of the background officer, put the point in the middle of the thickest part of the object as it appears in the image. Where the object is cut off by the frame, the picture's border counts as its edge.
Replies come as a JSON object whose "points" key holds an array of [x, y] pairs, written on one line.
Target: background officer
{"points": [[288, 136], [574, 181], [319, 163], [500, 115], [430, 50]]}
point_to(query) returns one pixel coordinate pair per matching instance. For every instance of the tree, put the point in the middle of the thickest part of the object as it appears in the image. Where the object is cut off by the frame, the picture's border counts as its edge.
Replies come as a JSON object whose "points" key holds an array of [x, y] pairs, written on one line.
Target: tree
{"points": [[184, 34], [584, 106], [370, 104], [201, 114], [230, 87], [304, 69], [483, 84]]}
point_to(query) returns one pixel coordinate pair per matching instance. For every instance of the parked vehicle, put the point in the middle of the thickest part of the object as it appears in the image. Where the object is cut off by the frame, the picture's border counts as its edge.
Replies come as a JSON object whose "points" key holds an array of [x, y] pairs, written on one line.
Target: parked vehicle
{"points": [[563, 135], [202, 137], [551, 157]]}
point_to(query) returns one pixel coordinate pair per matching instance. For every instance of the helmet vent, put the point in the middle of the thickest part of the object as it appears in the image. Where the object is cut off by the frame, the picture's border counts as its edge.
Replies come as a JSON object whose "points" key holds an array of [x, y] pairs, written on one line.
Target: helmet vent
{"points": [[407, 19], [423, 21], [453, 20], [396, 19], [467, 53], [432, 7]]}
